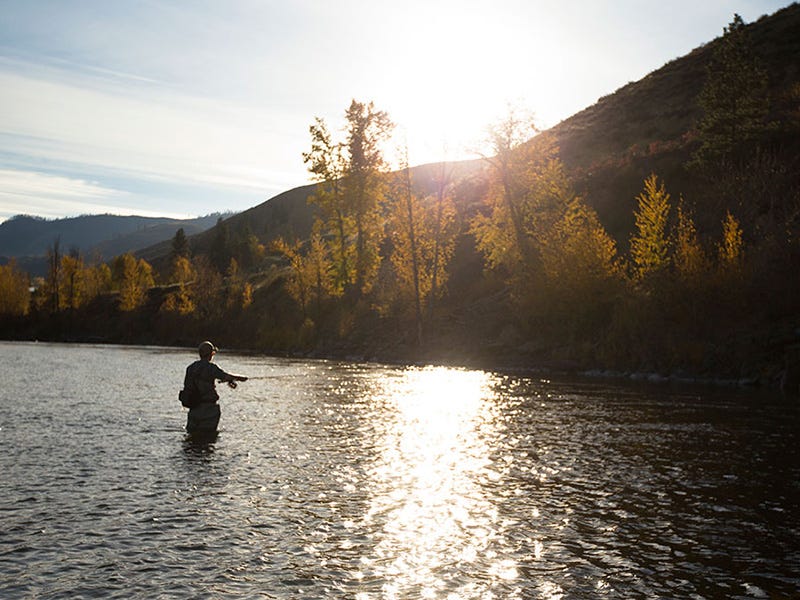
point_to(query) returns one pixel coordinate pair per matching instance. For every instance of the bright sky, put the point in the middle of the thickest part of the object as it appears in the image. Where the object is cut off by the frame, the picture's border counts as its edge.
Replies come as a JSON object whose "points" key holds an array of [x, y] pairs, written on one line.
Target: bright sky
{"points": [[183, 108]]}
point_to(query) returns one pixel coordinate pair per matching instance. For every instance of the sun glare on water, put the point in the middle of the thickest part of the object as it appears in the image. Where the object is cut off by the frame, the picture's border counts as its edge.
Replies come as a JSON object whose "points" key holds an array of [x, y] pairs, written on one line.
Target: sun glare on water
{"points": [[429, 486]]}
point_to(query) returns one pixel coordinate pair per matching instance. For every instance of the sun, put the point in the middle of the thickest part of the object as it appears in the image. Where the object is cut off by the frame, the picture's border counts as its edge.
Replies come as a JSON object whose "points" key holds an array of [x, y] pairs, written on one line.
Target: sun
{"points": [[443, 82]]}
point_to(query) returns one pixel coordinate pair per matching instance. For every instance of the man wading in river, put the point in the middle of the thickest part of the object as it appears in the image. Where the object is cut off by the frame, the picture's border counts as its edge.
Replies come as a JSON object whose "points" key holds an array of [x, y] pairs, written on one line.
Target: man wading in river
{"points": [[199, 392]]}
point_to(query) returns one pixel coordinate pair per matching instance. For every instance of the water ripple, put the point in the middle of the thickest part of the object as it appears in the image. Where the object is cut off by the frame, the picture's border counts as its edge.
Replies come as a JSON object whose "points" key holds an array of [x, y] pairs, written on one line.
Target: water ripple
{"points": [[334, 480]]}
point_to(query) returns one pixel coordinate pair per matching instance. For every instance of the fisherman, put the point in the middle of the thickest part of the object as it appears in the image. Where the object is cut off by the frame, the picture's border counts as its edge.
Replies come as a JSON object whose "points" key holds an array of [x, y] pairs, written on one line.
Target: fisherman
{"points": [[200, 392]]}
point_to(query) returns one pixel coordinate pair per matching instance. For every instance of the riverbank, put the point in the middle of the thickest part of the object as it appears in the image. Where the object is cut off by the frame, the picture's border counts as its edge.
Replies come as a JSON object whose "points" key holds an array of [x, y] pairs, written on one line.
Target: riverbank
{"points": [[759, 355]]}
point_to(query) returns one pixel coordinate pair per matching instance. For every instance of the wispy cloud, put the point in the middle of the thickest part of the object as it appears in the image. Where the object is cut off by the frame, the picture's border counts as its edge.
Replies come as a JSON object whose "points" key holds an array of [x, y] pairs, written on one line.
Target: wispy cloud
{"points": [[41, 194], [139, 131]]}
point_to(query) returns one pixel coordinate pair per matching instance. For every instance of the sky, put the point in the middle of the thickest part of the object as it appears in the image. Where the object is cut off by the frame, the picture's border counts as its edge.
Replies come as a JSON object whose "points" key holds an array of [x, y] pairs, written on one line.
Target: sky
{"points": [[184, 108]]}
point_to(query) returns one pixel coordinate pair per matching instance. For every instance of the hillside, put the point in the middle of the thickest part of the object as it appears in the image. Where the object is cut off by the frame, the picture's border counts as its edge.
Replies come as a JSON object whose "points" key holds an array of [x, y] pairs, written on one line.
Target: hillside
{"points": [[290, 216], [609, 148]]}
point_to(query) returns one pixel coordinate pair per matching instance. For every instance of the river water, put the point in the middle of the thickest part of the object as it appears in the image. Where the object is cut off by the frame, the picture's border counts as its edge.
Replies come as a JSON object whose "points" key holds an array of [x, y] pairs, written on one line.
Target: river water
{"points": [[344, 480]]}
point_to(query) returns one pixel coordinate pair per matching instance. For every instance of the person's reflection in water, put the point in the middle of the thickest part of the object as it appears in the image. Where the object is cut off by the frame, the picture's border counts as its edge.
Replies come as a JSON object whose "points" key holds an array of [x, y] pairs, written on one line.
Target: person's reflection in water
{"points": [[200, 445]]}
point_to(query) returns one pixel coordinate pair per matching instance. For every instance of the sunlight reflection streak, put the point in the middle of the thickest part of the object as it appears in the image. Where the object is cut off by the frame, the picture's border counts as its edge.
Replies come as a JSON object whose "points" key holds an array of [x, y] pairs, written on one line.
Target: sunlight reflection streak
{"points": [[431, 490]]}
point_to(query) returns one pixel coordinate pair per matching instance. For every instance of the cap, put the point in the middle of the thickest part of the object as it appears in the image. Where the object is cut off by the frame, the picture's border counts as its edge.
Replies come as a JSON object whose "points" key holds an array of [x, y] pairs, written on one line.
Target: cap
{"points": [[207, 348]]}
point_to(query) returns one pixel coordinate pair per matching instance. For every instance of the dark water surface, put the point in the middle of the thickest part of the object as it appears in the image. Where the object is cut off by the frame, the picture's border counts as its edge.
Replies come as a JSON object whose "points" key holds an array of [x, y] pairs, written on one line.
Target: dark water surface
{"points": [[336, 480]]}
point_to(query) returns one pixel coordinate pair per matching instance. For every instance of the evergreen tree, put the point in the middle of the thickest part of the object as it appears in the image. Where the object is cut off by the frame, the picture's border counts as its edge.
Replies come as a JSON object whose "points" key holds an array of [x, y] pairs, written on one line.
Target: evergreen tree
{"points": [[734, 99], [180, 245], [220, 251]]}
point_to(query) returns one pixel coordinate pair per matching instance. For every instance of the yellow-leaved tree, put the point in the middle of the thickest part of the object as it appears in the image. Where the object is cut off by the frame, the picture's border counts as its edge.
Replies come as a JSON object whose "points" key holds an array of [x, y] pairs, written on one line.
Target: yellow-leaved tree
{"points": [[422, 237], [134, 279], [583, 271], [528, 193], [180, 300], [650, 244], [730, 247], [351, 176], [688, 257], [312, 276], [15, 295], [73, 277]]}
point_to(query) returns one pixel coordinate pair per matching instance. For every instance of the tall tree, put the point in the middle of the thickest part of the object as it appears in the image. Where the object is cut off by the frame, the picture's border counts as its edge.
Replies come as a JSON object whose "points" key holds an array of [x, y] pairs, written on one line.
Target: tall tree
{"points": [[528, 193], [179, 245], [367, 129], [443, 231], [422, 242], [735, 98], [509, 166], [74, 277], [351, 176], [53, 282], [327, 163], [220, 251]]}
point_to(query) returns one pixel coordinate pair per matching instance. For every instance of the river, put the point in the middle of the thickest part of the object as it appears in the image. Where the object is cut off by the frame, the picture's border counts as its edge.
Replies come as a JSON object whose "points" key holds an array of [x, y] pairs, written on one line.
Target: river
{"points": [[365, 481]]}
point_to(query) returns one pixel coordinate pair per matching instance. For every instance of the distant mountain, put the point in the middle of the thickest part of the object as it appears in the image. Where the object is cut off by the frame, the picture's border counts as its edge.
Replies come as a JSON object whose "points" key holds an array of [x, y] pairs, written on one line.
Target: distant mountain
{"points": [[109, 235], [26, 237]]}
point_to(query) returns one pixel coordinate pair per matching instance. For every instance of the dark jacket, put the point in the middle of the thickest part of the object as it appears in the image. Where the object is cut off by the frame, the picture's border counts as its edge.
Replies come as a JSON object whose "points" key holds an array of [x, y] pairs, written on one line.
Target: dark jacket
{"points": [[200, 380]]}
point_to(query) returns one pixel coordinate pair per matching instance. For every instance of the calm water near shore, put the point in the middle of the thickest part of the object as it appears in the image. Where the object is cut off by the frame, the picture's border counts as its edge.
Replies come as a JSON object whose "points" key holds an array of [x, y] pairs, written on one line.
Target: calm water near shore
{"points": [[343, 480]]}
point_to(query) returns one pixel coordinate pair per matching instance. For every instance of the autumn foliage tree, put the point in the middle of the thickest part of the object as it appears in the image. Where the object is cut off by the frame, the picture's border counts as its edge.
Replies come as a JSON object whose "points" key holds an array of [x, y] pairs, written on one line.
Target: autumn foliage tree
{"points": [[73, 277], [422, 237], [327, 164], [502, 235], [311, 274], [133, 279], [650, 244], [180, 300], [583, 272], [15, 296], [350, 191], [529, 193]]}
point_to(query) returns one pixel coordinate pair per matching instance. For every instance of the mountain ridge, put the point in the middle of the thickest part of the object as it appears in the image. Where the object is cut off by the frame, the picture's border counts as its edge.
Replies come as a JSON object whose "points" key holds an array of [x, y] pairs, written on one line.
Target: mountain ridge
{"points": [[26, 238]]}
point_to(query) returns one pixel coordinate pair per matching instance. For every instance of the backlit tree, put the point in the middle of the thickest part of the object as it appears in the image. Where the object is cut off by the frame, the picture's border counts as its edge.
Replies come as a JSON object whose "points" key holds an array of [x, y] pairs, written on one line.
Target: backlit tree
{"points": [[351, 176], [650, 245], [422, 241]]}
